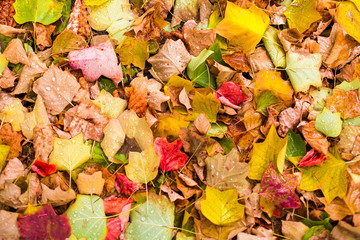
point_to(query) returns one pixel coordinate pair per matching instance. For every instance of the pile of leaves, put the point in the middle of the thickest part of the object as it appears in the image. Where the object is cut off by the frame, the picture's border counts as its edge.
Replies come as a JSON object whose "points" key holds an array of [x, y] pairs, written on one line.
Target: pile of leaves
{"points": [[185, 119]]}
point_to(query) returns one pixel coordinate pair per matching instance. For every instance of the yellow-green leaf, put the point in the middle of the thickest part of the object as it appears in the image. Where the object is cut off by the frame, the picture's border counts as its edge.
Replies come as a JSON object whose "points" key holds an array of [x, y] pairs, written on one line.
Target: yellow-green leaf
{"points": [[114, 138], [243, 28], [133, 51], [273, 149], [301, 14], [348, 16], [109, 105], [176, 81], [329, 177], [3, 63], [207, 104], [42, 11], [14, 113], [69, 154], [221, 208], [329, 123], [142, 167]]}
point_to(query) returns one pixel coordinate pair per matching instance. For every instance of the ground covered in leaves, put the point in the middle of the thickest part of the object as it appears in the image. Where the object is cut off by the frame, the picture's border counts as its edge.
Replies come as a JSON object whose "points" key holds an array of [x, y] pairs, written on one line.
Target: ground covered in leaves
{"points": [[179, 119]]}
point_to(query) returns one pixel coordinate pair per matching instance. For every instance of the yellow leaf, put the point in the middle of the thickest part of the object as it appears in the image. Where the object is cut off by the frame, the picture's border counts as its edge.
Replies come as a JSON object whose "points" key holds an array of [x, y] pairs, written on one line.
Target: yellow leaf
{"points": [[176, 81], [348, 17], [273, 149], [37, 116], [169, 126], [301, 14], [114, 138], [243, 28], [133, 51], [90, 184], [207, 104], [69, 154], [266, 81], [221, 207], [109, 105], [14, 113]]}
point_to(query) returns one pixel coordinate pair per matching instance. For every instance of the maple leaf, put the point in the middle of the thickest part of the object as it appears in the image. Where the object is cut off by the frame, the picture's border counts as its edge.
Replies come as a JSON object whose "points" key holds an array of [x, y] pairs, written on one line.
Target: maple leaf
{"points": [[43, 168], [44, 224], [278, 192], [230, 94], [221, 207], [96, 61], [272, 150], [171, 157], [124, 185]]}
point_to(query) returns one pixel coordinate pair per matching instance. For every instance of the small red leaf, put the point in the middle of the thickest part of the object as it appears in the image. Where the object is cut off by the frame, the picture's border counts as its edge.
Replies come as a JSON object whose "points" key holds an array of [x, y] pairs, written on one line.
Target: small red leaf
{"points": [[114, 205], [230, 94], [96, 61], [171, 158], [117, 225], [125, 185], [312, 158], [44, 224], [43, 168]]}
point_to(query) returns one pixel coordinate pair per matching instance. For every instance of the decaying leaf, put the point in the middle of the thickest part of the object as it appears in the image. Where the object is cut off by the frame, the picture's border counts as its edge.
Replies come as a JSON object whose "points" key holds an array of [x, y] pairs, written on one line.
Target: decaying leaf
{"points": [[12, 139]]}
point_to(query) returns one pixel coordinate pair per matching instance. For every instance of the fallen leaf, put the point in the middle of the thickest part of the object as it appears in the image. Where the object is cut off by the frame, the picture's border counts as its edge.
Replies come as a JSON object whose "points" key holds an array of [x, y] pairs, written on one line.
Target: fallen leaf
{"points": [[43, 168], [221, 207], [14, 169], [345, 231], [69, 154], [43, 141], [116, 226], [114, 205], [15, 52], [137, 100], [169, 126], [78, 20], [202, 124], [12, 139], [225, 172], [171, 157], [274, 47], [87, 218], [125, 185], [42, 35], [347, 138], [173, 196], [346, 103], [66, 41], [171, 59], [241, 35], [312, 158], [133, 51], [314, 138], [4, 151], [328, 123], [184, 10], [9, 228], [198, 40], [13, 112], [56, 197], [45, 224], [348, 17], [293, 230], [57, 88], [90, 184], [114, 138], [230, 94], [7, 78], [207, 104], [96, 61], [238, 61]]}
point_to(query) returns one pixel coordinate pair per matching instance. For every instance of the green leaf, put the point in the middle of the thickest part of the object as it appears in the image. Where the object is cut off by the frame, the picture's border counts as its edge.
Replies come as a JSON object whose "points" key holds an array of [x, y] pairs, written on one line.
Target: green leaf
{"points": [[352, 121], [227, 172], [273, 149], [152, 219], [207, 104], [296, 145], [303, 70], [109, 105], [87, 218], [69, 154], [217, 55], [329, 177], [319, 95], [348, 86], [65, 16], [265, 99], [313, 232], [106, 84], [221, 208], [142, 167], [217, 130], [274, 47], [4, 151], [329, 123], [42, 11], [199, 72], [227, 144], [301, 14]]}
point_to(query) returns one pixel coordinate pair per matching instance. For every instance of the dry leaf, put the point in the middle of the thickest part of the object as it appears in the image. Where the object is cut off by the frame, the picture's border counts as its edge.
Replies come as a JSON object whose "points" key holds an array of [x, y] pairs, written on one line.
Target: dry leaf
{"points": [[15, 52], [11, 138], [314, 138], [43, 35]]}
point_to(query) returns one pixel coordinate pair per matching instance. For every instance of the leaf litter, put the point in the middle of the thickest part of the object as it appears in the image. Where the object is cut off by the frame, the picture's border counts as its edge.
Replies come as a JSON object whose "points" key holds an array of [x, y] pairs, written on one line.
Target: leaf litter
{"points": [[148, 119]]}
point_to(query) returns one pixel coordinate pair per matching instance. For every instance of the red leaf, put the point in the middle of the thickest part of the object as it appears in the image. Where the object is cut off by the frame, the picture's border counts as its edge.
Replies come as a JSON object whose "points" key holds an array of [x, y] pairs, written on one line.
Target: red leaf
{"points": [[125, 185], [279, 191], [171, 158], [43, 168], [117, 225], [44, 224], [312, 158], [96, 61], [114, 205], [230, 94]]}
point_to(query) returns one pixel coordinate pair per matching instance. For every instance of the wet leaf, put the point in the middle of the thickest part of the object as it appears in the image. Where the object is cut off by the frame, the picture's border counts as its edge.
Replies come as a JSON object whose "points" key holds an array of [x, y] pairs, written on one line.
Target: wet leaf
{"points": [[171, 158], [329, 123], [133, 51], [109, 105]]}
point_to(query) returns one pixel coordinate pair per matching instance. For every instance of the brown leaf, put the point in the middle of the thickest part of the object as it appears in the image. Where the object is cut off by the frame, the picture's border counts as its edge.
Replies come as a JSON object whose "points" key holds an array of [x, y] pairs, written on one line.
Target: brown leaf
{"points": [[10, 137], [15, 52], [184, 99], [187, 192], [272, 120], [137, 100], [28, 74], [171, 59], [198, 40], [7, 12], [344, 230], [9, 227], [90, 184], [10, 32], [78, 20], [88, 120], [260, 60], [153, 95], [43, 141], [7, 78], [183, 14], [347, 103], [173, 196], [57, 88], [43, 35], [238, 61], [202, 124], [13, 170], [56, 197], [221, 72], [314, 138], [56, 180]]}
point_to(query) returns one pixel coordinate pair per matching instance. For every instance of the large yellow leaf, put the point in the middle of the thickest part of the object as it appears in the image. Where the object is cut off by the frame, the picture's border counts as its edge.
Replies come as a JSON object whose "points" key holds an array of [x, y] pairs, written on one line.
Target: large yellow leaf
{"points": [[348, 17], [69, 154], [273, 149], [221, 207], [133, 51], [301, 14], [243, 28]]}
